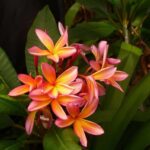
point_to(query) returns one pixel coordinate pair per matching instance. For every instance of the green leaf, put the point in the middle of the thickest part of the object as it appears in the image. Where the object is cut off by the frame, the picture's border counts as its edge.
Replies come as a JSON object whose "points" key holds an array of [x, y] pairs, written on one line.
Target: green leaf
{"points": [[45, 21], [141, 139], [71, 13], [124, 115], [8, 74], [10, 106], [129, 56], [88, 31], [60, 139], [5, 121]]}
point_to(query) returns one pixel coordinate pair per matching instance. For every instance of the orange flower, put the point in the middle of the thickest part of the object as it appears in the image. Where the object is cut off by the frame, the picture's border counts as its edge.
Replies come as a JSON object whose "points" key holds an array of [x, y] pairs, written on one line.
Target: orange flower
{"points": [[80, 124], [29, 84], [40, 100], [53, 52], [61, 84]]}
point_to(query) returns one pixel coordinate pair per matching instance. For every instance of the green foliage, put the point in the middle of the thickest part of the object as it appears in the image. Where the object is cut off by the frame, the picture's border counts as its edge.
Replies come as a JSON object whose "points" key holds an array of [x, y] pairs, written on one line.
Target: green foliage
{"points": [[8, 75], [45, 21], [60, 139]]}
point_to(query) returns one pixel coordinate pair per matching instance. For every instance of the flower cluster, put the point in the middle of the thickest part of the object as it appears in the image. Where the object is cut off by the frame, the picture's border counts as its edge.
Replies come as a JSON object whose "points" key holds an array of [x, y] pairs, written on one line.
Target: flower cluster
{"points": [[60, 94]]}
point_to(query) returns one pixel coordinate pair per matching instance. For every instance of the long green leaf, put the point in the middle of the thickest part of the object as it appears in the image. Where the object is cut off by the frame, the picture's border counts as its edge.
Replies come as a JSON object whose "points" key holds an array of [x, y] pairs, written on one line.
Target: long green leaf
{"points": [[8, 74], [45, 21], [10, 106], [141, 139], [115, 129], [71, 13], [60, 139]]}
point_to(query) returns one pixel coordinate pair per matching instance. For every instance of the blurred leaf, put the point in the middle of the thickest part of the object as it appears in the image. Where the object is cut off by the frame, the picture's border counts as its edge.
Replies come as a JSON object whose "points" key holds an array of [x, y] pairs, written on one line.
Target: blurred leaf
{"points": [[129, 56], [8, 74], [45, 21], [124, 115], [60, 139], [10, 106], [141, 139], [5, 121], [71, 13], [91, 30]]}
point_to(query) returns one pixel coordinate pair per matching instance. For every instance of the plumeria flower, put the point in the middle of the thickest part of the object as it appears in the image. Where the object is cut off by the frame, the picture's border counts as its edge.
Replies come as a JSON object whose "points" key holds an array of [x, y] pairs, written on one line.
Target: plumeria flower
{"points": [[80, 124], [30, 84], [40, 100], [45, 118], [53, 52], [61, 84], [100, 55]]}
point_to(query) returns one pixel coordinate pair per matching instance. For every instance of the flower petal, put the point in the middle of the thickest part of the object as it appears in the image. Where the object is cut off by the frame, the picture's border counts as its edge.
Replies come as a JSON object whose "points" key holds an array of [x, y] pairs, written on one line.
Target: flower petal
{"points": [[30, 122], [26, 79], [73, 110], [91, 127], [68, 75], [49, 73], [80, 133], [95, 65], [37, 51], [120, 75], [64, 123], [64, 89], [53, 93], [89, 109], [104, 73], [45, 39], [19, 90], [53, 57], [66, 52], [113, 61], [95, 52], [61, 42], [36, 105], [58, 110], [66, 99], [77, 86]]}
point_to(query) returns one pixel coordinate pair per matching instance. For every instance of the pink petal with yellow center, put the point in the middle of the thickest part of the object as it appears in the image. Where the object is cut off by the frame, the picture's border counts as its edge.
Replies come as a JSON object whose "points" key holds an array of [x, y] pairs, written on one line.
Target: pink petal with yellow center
{"points": [[104, 73], [36, 105], [80, 133], [120, 75], [64, 89], [89, 109], [58, 110], [95, 65], [53, 93], [30, 122], [66, 99], [61, 42], [66, 52], [73, 110], [53, 57], [46, 87], [95, 52], [92, 87], [37, 51], [64, 123], [45, 39], [91, 127], [48, 72], [77, 86], [19, 90], [68, 76]]}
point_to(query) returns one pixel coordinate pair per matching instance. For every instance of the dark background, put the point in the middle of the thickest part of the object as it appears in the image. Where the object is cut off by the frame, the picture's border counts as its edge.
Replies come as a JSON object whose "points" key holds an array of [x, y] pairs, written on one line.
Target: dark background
{"points": [[16, 17]]}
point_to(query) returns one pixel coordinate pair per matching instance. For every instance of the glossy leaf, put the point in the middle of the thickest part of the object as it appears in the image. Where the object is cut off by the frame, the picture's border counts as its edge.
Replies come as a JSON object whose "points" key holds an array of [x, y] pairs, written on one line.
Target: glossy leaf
{"points": [[45, 21], [8, 75], [60, 139]]}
